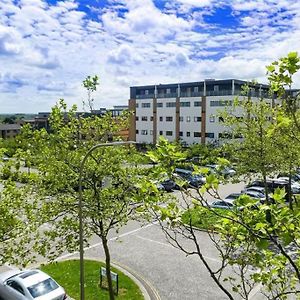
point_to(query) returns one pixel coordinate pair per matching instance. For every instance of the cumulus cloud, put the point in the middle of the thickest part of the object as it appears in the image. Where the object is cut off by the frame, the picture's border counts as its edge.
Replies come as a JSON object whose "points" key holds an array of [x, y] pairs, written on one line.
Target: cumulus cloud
{"points": [[10, 83], [124, 55], [9, 41], [128, 42]]}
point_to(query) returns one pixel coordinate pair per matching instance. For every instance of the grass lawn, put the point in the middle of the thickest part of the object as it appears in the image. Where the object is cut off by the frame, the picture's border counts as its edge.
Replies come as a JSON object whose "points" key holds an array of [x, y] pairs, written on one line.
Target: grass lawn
{"points": [[203, 218], [66, 273]]}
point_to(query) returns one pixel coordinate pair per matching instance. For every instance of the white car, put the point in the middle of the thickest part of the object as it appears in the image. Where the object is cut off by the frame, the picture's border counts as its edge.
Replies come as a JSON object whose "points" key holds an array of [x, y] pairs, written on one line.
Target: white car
{"points": [[295, 185], [29, 285]]}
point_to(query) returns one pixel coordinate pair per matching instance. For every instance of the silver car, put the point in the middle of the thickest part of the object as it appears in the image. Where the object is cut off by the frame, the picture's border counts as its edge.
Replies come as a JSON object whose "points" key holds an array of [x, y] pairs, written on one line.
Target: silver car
{"points": [[29, 285]]}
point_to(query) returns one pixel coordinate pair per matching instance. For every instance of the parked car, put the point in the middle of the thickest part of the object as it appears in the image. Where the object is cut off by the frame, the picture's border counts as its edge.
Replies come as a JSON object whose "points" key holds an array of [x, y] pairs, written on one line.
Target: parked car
{"points": [[295, 177], [255, 195], [194, 180], [259, 189], [295, 186], [224, 171], [29, 285], [271, 184], [169, 185], [223, 204]]}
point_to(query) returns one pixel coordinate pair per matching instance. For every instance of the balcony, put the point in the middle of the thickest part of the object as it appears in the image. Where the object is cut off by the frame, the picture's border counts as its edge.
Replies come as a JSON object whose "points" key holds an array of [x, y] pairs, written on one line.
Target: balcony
{"points": [[170, 95], [149, 96]]}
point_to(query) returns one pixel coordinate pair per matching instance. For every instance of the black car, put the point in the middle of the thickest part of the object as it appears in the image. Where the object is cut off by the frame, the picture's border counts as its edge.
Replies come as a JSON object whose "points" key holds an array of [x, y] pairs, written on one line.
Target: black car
{"points": [[169, 185], [194, 180], [272, 185]]}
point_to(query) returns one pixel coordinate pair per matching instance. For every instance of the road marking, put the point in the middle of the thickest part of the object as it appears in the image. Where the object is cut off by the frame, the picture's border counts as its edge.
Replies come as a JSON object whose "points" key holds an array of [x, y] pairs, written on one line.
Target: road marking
{"points": [[169, 245], [110, 240], [153, 241]]}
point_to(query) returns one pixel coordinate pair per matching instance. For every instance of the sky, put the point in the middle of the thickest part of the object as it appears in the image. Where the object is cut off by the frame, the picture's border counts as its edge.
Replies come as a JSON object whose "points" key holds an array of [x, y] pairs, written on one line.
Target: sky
{"points": [[48, 47]]}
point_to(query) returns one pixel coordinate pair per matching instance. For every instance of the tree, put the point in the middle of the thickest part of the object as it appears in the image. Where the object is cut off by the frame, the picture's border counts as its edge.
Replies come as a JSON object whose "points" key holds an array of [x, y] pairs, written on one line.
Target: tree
{"points": [[18, 224], [263, 238], [111, 186]]}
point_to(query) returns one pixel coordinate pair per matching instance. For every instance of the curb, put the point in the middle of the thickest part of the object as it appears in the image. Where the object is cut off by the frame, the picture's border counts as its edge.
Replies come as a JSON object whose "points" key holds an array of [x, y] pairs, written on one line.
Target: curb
{"points": [[145, 287]]}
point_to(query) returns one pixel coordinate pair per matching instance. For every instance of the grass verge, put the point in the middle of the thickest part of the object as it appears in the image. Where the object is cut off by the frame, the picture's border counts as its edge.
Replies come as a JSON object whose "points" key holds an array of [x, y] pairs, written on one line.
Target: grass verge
{"points": [[66, 273]]}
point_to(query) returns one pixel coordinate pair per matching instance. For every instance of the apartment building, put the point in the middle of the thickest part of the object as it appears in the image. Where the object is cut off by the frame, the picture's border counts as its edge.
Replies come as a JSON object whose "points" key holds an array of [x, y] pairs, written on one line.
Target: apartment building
{"points": [[186, 111]]}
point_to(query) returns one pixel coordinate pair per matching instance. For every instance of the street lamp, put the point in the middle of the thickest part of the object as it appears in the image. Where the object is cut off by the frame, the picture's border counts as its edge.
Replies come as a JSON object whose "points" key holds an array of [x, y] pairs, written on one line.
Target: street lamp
{"points": [[81, 249]]}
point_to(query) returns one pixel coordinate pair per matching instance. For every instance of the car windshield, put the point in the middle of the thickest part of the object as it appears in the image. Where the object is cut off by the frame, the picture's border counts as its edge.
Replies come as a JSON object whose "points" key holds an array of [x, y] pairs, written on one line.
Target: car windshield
{"points": [[42, 288]]}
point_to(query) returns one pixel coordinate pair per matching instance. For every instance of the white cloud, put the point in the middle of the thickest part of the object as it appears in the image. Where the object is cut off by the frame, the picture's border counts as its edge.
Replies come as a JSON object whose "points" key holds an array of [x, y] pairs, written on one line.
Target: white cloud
{"points": [[47, 50]]}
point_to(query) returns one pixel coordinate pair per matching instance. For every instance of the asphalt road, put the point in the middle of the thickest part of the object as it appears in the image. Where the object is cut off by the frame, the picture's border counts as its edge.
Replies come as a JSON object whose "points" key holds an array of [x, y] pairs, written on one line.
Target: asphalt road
{"points": [[173, 275]]}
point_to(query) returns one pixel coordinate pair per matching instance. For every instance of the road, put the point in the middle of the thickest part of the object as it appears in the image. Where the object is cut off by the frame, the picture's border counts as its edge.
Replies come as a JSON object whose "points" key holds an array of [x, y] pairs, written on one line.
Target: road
{"points": [[146, 251]]}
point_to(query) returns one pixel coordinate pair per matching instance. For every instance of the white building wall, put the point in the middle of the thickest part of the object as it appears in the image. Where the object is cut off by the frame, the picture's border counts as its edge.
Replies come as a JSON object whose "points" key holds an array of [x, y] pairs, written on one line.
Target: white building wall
{"points": [[188, 124], [146, 126], [213, 124], [163, 112]]}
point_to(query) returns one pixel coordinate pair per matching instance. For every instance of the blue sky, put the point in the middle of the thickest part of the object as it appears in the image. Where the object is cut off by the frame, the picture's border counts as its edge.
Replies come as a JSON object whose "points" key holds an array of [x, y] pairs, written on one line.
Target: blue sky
{"points": [[47, 48]]}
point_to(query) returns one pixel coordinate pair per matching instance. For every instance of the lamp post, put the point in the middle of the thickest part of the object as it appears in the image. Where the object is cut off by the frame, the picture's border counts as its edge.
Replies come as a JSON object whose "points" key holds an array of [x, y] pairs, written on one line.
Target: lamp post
{"points": [[81, 249]]}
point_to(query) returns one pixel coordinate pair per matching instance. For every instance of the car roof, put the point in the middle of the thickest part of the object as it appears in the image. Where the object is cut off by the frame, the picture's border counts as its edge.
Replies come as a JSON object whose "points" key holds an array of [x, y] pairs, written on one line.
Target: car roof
{"points": [[31, 277], [183, 171], [229, 202]]}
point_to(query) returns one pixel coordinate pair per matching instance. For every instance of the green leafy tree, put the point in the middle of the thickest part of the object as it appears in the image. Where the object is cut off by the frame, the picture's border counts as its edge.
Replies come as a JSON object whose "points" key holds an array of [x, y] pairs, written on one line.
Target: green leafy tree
{"points": [[110, 179], [260, 242]]}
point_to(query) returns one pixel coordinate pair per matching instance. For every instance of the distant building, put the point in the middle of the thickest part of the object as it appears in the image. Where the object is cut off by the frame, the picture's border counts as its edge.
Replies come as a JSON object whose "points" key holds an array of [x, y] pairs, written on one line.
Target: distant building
{"points": [[9, 130], [186, 112], [42, 118]]}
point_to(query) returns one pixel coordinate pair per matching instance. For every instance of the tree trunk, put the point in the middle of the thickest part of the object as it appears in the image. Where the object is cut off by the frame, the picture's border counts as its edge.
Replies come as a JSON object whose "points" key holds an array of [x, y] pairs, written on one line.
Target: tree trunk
{"points": [[290, 191], [107, 264], [268, 213]]}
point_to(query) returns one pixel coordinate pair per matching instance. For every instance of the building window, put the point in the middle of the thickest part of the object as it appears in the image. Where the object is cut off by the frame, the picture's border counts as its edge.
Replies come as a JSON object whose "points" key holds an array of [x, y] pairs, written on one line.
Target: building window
{"points": [[144, 132], [136, 118], [169, 133], [160, 119], [197, 134], [136, 105], [137, 131], [221, 119], [168, 91], [197, 103], [146, 92], [159, 104], [181, 119], [212, 119], [146, 105], [188, 133], [216, 88], [197, 119], [151, 132], [196, 89], [209, 135], [220, 103], [144, 118], [169, 119], [188, 119], [185, 104], [171, 104], [160, 133], [180, 133]]}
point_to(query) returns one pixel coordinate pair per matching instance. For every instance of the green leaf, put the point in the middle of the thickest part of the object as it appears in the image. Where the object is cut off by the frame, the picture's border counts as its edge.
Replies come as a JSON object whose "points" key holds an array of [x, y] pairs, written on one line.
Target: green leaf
{"points": [[262, 244]]}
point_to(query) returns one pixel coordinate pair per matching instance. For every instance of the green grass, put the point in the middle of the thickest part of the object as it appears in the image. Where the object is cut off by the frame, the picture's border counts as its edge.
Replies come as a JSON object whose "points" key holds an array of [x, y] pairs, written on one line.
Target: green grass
{"points": [[204, 218], [66, 273]]}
